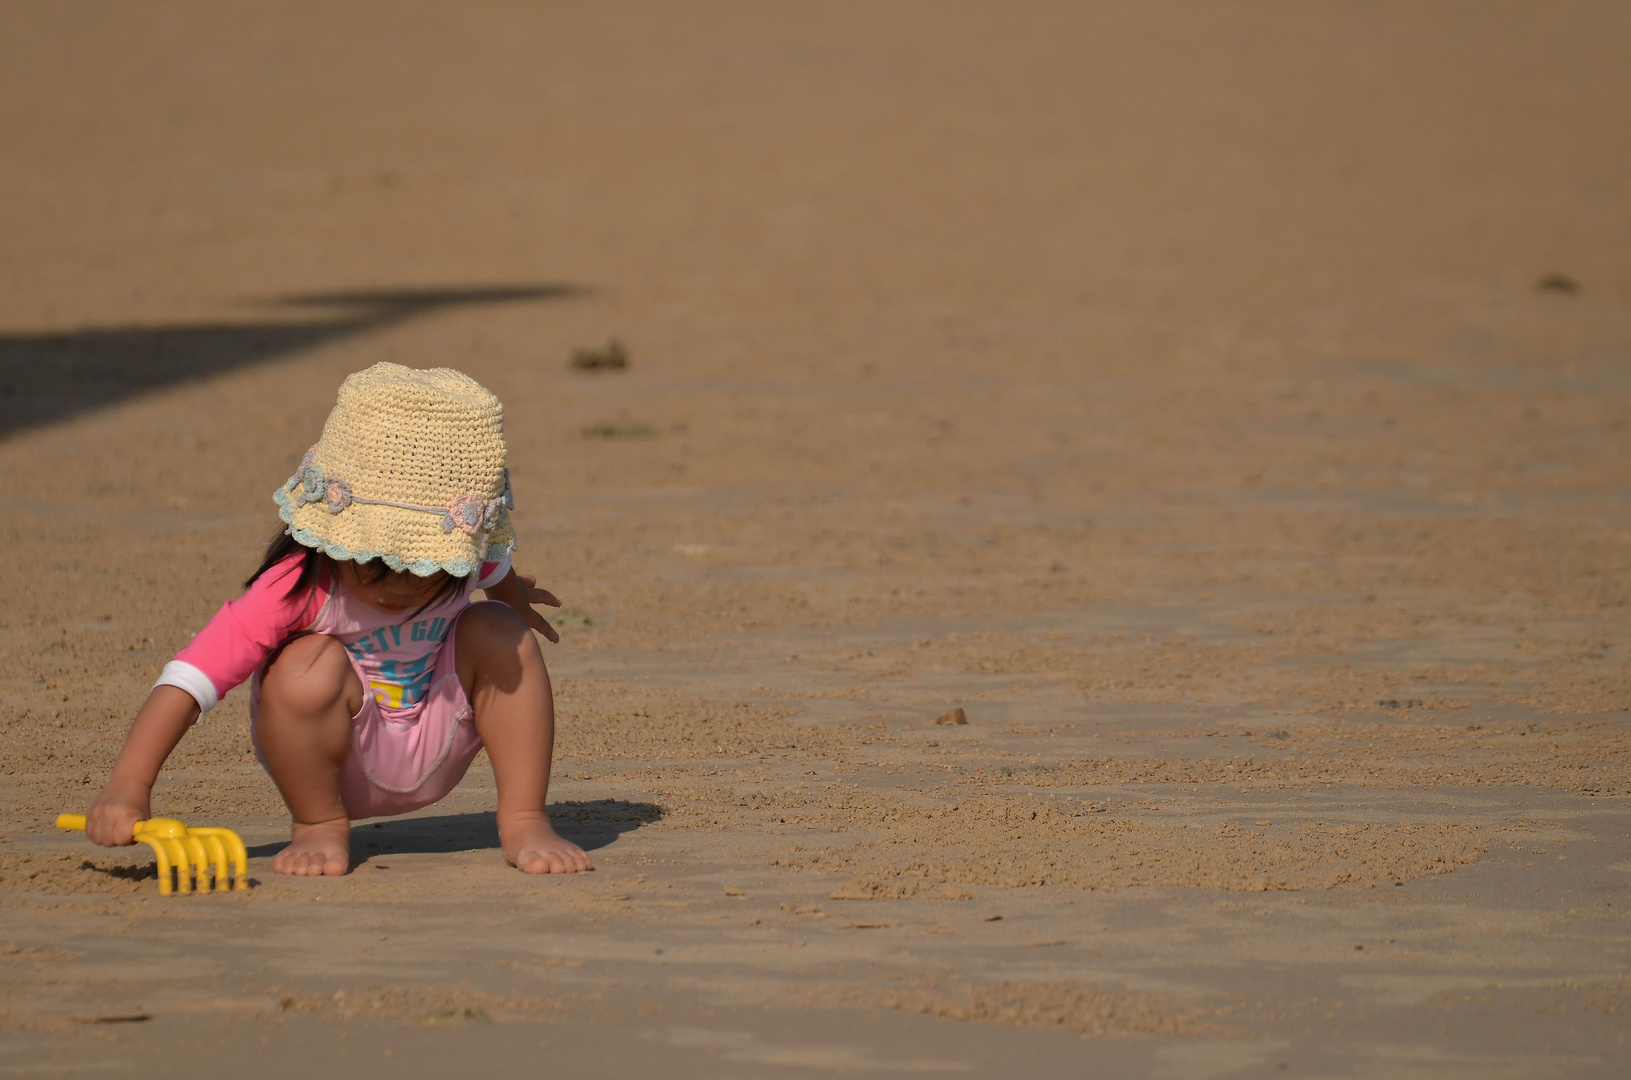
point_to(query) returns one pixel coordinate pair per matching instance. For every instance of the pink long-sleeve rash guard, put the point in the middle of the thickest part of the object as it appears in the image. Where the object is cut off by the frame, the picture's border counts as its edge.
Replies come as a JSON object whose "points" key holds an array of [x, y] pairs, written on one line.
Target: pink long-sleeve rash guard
{"points": [[249, 629]]}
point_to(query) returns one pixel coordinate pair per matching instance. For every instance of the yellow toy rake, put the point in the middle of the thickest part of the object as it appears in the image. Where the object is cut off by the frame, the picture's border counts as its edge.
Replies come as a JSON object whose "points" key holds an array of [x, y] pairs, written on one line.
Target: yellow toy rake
{"points": [[190, 852]]}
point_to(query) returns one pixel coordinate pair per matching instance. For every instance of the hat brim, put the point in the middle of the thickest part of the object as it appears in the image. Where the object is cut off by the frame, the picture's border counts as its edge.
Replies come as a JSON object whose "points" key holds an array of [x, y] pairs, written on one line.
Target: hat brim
{"points": [[408, 540]]}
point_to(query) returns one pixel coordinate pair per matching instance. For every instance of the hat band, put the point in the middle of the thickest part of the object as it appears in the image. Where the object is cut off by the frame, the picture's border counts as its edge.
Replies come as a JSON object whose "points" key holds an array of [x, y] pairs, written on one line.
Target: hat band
{"points": [[470, 514]]}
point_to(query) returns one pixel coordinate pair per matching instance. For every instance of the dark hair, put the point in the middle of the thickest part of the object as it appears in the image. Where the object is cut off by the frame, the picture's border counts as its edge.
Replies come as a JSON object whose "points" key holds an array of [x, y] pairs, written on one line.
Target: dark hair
{"points": [[316, 566]]}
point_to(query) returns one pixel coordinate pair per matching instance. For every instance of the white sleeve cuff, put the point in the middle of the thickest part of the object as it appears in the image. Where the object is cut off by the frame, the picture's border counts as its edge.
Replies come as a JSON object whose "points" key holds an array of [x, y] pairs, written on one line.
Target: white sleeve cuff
{"points": [[500, 572], [184, 676]]}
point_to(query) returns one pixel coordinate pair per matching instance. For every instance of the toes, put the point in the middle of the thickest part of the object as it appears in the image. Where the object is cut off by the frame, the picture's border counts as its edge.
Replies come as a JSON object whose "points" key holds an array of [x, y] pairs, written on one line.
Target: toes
{"points": [[310, 863], [571, 861], [546, 861]]}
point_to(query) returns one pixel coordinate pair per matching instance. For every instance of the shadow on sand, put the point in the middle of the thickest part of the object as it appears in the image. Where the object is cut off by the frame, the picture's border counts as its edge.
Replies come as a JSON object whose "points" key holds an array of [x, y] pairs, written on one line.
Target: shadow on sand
{"points": [[590, 825], [47, 377]]}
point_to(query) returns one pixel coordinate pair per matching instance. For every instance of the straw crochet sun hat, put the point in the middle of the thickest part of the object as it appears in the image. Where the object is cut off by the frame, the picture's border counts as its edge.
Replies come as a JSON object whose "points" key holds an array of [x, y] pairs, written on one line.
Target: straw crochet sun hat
{"points": [[410, 469]]}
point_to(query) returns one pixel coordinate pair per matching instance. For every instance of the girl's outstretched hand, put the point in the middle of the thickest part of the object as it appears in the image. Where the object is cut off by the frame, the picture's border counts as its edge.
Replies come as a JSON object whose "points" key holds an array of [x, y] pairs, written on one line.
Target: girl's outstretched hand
{"points": [[520, 592]]}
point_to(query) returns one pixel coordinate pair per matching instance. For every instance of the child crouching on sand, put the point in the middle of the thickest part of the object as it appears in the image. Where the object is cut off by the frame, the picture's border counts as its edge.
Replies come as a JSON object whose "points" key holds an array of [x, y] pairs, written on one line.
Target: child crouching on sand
{"points": [[374, 679]]}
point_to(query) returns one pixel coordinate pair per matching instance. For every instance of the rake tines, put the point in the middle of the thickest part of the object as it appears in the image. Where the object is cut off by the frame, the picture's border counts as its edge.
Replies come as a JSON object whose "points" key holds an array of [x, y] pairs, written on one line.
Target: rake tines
{"points": [[190, 853]]}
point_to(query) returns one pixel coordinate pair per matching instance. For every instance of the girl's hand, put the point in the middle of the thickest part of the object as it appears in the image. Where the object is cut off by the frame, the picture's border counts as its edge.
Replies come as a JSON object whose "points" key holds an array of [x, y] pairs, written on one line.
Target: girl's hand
{"points": [[113, 815], [520, 592]]}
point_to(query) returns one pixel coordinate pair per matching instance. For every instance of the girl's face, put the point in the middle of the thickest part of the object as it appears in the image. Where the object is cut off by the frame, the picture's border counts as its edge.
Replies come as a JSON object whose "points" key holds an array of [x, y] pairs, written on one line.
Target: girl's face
{"points": [[392, 591]]}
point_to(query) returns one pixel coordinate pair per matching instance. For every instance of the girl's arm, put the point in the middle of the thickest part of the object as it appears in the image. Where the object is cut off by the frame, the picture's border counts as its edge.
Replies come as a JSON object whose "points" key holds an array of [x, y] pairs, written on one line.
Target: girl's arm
{"points": [[164, 718], [220, 656], [521, 592]]}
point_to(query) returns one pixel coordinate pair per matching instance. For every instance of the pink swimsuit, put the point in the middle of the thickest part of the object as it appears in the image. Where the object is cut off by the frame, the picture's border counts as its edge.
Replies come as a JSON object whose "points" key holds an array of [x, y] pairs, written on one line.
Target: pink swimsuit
{"points": [[414, 736]]}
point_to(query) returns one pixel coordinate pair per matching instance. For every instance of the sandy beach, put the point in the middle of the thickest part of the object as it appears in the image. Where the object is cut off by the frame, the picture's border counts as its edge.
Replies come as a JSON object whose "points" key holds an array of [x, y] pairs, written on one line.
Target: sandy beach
{"points": [[1225, 406]]}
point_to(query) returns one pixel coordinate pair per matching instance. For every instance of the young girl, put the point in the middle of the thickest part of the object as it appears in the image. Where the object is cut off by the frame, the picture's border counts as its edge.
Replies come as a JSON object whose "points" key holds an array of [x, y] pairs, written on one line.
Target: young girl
{"points": [[375, 679]]}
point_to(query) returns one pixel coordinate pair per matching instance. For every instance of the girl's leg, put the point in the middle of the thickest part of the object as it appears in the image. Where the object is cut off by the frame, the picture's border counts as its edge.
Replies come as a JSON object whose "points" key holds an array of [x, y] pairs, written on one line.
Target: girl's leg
{"points": [[303, 728], [504, 676]]}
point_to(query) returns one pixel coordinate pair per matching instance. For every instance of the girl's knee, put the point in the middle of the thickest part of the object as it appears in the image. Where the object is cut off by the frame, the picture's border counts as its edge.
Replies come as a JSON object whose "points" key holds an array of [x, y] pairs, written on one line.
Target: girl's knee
{"points": [[309, 675]]}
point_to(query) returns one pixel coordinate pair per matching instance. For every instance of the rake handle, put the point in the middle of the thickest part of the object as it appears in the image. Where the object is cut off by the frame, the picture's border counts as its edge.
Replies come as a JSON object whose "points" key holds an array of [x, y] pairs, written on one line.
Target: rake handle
{"points": [[77, 821]]}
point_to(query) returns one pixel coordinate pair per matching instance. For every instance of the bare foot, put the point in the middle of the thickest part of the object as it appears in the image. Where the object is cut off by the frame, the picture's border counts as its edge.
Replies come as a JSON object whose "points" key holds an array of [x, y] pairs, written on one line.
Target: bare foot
{"points": [[323, 848], [532, 846]]}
